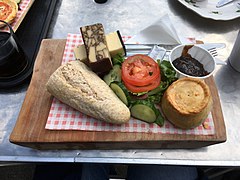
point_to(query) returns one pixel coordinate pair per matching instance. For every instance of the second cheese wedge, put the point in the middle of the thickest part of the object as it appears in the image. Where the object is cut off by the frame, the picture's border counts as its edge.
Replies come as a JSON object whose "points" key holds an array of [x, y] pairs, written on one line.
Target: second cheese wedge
{"points": [[115, 44]]}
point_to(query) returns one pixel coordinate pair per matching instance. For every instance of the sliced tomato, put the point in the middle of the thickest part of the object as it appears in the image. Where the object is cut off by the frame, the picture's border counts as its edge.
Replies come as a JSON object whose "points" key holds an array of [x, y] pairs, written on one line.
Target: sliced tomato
{"points": [[5, 10], [140, 70], [138, 89]]}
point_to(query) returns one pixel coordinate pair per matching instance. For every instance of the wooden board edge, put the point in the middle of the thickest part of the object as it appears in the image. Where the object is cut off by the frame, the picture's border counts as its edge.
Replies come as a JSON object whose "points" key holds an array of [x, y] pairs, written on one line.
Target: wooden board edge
{"points": [[16, 134], [185, 144], [218, 118]]}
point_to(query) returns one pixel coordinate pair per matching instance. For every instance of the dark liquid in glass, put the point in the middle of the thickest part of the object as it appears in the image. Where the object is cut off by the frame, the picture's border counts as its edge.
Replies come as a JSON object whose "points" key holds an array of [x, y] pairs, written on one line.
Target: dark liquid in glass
{"points": [[12, 58]]}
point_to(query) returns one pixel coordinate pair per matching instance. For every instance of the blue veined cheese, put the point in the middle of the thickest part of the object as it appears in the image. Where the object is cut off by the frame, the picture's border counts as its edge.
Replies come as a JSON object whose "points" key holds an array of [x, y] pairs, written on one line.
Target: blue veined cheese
{"points": [[98, 55]]}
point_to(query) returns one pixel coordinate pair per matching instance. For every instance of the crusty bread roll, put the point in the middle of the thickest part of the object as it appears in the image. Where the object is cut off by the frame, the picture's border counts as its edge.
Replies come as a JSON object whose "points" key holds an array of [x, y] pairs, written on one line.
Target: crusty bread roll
{"points": [[187, 102], [79, 87]]}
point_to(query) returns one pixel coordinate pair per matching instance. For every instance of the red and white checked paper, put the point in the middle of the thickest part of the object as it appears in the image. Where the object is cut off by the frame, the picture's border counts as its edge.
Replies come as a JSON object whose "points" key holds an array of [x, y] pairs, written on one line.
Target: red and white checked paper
{"points": [[63, 117], [22, 8]]}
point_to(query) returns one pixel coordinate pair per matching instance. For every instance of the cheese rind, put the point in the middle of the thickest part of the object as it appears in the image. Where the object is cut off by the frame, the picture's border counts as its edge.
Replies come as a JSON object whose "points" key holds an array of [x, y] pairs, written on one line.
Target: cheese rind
{"points": [[96, 48]]}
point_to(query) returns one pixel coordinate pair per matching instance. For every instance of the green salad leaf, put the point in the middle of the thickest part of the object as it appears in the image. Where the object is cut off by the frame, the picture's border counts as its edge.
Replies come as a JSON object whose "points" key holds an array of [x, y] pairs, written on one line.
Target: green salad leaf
{"points": [[118, 59], [168, 74], [153, 97]]}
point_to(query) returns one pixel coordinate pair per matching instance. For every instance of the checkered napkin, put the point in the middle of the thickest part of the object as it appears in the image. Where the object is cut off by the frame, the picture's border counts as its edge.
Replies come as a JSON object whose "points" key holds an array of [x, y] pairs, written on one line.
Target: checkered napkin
{"points": [[22, 8], [63, 117]]}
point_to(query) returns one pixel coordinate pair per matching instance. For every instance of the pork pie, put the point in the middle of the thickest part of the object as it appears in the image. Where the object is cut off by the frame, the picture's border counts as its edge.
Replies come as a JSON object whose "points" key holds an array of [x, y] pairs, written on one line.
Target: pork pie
{"points": [[187, 103]]}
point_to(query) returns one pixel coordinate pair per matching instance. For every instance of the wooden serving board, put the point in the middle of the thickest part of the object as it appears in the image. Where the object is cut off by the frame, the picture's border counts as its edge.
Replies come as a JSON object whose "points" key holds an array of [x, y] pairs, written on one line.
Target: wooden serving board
{"points": [[30, 126]]}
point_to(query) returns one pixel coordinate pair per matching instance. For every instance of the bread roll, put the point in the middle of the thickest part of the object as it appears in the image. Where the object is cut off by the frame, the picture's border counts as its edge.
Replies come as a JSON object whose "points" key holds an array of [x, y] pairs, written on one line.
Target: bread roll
{"points": [[79, 87], [187, 103]]}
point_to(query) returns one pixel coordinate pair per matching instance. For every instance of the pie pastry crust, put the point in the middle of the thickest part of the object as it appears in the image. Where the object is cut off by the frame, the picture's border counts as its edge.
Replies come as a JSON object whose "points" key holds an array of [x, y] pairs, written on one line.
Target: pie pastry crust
{"points": [[187, 102], [11, 13]]}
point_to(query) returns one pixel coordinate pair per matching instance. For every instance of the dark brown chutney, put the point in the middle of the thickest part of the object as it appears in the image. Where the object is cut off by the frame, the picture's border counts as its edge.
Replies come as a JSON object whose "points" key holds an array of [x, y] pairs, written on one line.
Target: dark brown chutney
{"points": [[189, 65]]}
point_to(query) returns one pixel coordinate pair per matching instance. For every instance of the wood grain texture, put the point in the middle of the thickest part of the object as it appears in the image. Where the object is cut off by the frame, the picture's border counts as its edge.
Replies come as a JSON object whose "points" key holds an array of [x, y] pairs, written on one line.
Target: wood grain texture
{"points": [[30, 126]]}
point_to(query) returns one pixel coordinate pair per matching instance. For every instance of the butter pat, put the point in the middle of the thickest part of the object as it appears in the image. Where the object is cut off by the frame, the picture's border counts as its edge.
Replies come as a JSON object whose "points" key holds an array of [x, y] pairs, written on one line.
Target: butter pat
{"points": [[115, 44], [96, 48]]}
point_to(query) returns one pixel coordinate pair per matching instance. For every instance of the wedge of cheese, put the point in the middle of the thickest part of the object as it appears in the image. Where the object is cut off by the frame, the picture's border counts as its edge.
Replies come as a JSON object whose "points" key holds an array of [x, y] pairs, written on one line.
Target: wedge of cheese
{"points": [[96, 48], [114, 43], [80, 53]]}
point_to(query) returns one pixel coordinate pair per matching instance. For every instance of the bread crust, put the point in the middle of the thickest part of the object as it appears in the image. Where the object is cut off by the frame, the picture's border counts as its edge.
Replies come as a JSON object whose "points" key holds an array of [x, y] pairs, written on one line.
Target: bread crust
{"points": [[187, 102], [79, 87], [13, 13]]}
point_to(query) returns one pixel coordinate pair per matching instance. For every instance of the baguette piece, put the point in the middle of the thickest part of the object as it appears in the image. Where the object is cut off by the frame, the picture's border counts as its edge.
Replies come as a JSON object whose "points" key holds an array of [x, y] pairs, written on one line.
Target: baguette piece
{"points": [[79, 87]]}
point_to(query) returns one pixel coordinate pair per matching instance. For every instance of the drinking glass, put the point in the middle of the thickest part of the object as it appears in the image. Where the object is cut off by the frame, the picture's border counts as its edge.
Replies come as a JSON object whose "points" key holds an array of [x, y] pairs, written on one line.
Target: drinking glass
{"points": [[234, 58], [12, 57]]}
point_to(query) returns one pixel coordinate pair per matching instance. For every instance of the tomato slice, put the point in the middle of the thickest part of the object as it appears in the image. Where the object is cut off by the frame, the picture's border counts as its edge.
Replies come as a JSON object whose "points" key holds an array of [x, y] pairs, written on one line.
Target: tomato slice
{"points": [[138, 89], [140, 70], [5, 10]]}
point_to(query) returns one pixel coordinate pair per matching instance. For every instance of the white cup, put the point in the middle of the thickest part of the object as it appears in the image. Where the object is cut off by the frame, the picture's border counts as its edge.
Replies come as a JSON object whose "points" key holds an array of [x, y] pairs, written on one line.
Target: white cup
{"points": [[200, 54], [234, 58]]}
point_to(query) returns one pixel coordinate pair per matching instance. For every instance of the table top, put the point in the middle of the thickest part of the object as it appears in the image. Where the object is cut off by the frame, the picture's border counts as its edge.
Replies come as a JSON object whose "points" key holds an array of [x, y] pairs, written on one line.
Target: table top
{"points": [[129, 17]]}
